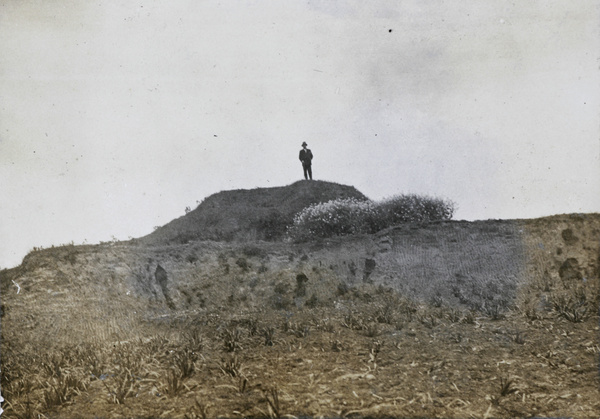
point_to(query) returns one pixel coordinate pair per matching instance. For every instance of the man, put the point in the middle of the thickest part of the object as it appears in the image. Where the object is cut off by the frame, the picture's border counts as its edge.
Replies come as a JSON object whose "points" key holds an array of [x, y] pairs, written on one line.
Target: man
{"points": [[306, 159]]}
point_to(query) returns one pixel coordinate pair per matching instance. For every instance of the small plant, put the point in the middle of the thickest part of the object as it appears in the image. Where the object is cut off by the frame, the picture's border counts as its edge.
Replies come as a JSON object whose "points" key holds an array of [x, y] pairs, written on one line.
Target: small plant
{"points": [[242, 384], [280, 298], [469, 318], [353, 322], [126, 358], [272, 398], [312, 302], [286, 325], [156, 345], [372, 330], [231, 366], [437, 301], [269, 334], [384, 313], [572, 309], [251, 325], [28, 412], [54, 365], [302, 330], [454, 315], [18, 388], [281, 288], [95, 365], [407, 308], [242, 262], [439, 313], [193, 340], [519, 337], [185, 363], [123, 385], [428, 320], [374, 352], [326, 325], [493, 310], [529, 310], [336, 346], [399, 324], [232, 339], [506, 386], [173, 383], [61, 389], [199, 411], [301, 280], [223, 262], [342, 289]]}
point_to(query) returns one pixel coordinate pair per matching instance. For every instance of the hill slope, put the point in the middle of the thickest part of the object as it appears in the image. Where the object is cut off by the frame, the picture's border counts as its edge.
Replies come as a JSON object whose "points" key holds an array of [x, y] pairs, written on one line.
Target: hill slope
{"points": [[487, 318], [257, 214]]}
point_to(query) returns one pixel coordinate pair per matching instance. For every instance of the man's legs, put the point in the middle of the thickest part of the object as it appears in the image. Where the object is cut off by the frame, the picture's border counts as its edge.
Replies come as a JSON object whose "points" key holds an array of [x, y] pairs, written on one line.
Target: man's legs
{"points": [[307, 171]]}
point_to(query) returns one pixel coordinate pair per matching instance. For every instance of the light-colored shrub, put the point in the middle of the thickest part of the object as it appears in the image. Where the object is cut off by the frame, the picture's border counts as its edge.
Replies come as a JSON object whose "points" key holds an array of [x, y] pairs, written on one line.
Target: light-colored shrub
{"points": [[347, 216], [339, 217]]}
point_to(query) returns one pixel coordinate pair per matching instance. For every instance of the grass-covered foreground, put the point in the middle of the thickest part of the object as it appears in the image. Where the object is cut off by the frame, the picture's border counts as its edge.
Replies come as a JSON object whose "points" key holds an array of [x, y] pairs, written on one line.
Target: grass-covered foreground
{"points": [[373, 354]]}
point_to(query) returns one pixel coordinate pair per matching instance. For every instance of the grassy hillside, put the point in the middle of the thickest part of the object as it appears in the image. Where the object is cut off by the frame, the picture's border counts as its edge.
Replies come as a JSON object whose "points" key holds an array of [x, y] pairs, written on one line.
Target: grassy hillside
{"points": [[449, 319], [257, 214]]}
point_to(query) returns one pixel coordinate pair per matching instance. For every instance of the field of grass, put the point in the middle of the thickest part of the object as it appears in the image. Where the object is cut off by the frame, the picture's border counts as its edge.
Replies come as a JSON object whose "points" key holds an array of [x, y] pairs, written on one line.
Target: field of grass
{"points": [[449, 319], [373, 359]]}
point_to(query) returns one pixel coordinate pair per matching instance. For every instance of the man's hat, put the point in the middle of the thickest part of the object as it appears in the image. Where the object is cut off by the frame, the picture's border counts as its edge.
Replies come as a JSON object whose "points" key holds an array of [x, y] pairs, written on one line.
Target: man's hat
{"points": [[304, 143]]}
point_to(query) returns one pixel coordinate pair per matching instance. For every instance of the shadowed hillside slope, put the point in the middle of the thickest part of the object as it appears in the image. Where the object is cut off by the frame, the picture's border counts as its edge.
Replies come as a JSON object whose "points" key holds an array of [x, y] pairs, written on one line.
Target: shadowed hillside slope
{"points": [[478, 265], [256, 214]]}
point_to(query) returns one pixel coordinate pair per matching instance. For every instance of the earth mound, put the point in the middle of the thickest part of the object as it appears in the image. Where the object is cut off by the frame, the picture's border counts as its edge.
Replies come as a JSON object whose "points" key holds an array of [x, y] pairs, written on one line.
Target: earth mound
{"points": [[255, 214]]}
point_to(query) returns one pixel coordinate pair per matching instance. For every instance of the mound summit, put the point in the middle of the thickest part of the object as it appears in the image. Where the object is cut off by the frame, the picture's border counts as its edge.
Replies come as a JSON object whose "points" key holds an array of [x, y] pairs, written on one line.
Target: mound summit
{"points": [[253, 214]]}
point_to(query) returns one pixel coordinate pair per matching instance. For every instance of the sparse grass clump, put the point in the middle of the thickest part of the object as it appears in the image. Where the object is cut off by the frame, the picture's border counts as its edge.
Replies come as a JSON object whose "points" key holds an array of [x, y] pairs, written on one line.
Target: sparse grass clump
{"points": [[570, 307], [232, 339], [231, 366], [60, 390], [269, 335], [173, 383], [342, 217], [121, 385], [184, 363]]}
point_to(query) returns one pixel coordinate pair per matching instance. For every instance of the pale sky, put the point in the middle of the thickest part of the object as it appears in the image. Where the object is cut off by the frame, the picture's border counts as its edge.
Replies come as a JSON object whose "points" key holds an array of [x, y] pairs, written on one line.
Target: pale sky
{"points": [[115, 116]]}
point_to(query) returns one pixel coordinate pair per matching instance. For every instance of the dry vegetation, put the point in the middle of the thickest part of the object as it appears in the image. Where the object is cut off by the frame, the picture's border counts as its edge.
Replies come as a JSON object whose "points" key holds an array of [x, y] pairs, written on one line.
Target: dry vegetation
{"points": [[454, 319], [378, 355]]}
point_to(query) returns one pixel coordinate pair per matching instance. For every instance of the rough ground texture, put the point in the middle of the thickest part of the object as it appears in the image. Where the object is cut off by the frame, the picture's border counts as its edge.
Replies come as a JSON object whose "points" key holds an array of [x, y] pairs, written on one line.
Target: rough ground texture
{"points": [[492, 318]]}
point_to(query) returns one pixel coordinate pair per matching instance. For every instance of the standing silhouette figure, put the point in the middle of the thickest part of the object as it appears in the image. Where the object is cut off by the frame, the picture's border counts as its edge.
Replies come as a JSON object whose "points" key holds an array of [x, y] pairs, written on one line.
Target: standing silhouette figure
{"points": [[306, 157]]}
